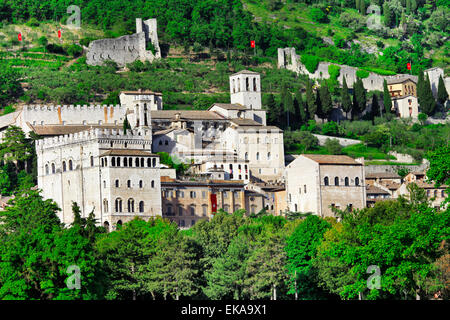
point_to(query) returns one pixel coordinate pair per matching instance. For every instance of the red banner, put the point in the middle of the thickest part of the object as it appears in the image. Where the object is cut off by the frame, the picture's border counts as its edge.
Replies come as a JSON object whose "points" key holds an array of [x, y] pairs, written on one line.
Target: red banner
{"points": [[59, 33], [214, 202], [19, 37], [252, 43], [408, 65]]}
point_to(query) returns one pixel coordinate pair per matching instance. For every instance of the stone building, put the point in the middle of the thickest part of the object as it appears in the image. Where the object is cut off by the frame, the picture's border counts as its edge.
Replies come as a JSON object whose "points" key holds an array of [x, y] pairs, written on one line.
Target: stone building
{"points": [[186, 201], [128, 48], [112, 173], [403, 93], [152, 100], [316, 183]]}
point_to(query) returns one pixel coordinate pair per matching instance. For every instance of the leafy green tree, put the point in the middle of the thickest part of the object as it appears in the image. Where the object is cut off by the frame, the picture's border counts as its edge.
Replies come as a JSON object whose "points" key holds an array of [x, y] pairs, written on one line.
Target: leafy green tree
{"points": [[266, 273], [333, 146], [346, 100], [226, 278], [439, 170], [173, 271], [15, 147], [36, 252], [388, 14], [301, 249]]}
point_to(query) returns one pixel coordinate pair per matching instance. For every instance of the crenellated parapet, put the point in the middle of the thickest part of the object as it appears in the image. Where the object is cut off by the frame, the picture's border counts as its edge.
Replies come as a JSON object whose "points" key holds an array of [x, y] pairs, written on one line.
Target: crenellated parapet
{"points": [[75, 108], [132, 136]]}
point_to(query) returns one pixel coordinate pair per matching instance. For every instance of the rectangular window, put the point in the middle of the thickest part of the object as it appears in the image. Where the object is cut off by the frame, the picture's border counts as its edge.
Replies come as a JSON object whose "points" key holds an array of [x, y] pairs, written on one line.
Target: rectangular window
{"points": [[204, 194], [304, 188]]}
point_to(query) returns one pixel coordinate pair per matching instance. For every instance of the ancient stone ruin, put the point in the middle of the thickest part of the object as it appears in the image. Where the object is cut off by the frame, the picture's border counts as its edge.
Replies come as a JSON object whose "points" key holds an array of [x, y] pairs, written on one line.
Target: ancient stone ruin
{"points": [[128, 48], [288, 59]]}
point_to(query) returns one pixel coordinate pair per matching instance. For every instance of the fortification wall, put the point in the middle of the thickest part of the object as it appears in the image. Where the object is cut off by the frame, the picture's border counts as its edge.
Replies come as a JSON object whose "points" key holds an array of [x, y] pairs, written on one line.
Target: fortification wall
{"points": [[342, 141], [288, 59], [128, 48], [70, 114], [132, 136]]}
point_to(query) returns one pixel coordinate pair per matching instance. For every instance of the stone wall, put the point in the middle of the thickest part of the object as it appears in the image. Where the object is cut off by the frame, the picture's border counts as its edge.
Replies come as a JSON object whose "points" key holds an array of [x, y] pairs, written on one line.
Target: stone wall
{"points": [[394, 168], [128, 48], [342, 141], [288, 59]]}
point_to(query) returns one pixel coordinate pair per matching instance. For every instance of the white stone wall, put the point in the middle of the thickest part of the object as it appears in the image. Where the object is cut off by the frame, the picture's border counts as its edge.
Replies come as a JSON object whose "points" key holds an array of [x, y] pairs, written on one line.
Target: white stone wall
{"points": [[154, 102], [239, 93], [87, 182]]}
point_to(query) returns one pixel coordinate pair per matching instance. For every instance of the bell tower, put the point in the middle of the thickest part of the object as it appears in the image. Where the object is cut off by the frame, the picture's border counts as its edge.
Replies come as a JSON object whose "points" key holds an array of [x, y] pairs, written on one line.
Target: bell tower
{"points": [[245, 89]]}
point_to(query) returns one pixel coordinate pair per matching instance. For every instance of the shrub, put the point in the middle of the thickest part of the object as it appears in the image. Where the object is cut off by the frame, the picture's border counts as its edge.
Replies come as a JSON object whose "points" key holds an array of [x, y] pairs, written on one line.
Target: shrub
{"points": [[33, 22], [334, 71], [311, 62], [362, 74], [317, 15], [74, 50], [330, 128], [333, 146]]}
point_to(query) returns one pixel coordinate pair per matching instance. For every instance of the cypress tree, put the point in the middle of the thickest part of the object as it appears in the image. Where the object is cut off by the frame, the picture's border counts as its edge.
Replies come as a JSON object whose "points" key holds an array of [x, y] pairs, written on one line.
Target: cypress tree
{"points": [[387, 101], [362, 7], [325, 99], [357, 4], [442, 92], [408, 6], [300, 115], [387, 14], [359, 97], [288, 109], [428, 104], [318, 105], [310, 101], [346, 100], [126, 125], [274, 111], [375, 108]]}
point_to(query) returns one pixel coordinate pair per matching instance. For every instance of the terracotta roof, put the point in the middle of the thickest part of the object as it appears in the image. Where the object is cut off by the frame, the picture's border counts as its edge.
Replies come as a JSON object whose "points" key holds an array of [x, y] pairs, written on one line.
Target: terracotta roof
{"points": [[128, 152], [392, 186], [142, 92], [375, 190], [229, 106], [59, 129], [425, 185], [400, 79], [382, 175], [403, 97], [245, 72], [245, 122], [186, 115], [331, 159]]}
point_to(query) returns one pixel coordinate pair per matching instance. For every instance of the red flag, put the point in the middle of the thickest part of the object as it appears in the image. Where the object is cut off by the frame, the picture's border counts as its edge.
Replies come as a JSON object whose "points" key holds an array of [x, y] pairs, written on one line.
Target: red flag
{"points": [[252, 43], [59, 33], [214, 203], [408, 65], [19, 36]]}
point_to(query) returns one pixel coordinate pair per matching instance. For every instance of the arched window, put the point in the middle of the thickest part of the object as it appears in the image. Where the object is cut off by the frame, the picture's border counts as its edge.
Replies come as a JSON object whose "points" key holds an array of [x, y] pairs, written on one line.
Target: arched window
{"points": [[356, 181], [180, 210], [106, 163], [128, 183], [346, 181], [246, 156], [325, 181], [336, 181], [119, 223], [105, 205], [130, 162], [205, 210], [154, 162], [254, 84], [257, 156], [141, 206], [130, 205], [141, 184], [64, 166], [442, 193], [268, 156], [104, 184], [181, 223], [435, 193], [117, 183], [53, 168], [153, 183], [234, 88], [103, 162], [142, 162], [226, 208], [113, 162], [192, 209], [136, 162], [246, 84], [92, 161], [106, 226], [118, 161], [149, 162], [46, 169], [125, 162], [118, 205]]}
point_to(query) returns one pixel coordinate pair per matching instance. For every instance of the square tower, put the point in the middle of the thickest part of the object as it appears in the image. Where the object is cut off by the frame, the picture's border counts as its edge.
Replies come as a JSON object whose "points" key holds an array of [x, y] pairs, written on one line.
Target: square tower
{"points": [[245, 89]]}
